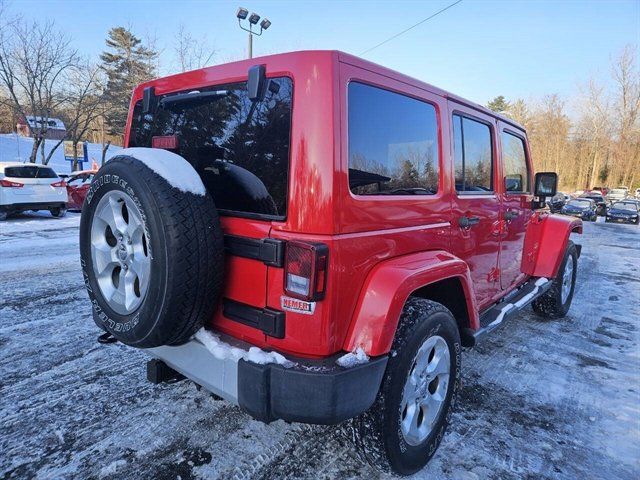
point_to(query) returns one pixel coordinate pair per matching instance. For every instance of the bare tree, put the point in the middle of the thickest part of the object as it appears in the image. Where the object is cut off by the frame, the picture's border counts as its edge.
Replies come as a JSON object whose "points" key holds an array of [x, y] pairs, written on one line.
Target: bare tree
{"points": [[192, 54], [84, 103], [34, 60]]}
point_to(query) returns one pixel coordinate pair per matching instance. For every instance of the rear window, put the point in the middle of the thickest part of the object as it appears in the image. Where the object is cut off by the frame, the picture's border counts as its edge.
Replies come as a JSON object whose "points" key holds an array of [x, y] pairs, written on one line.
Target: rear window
{"points": [[240, 148], [29, 171]]}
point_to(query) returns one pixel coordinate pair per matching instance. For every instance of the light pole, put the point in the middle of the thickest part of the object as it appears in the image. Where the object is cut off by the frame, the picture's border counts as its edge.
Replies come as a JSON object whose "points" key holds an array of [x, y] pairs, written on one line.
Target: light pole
{"points": [[254, 18]]}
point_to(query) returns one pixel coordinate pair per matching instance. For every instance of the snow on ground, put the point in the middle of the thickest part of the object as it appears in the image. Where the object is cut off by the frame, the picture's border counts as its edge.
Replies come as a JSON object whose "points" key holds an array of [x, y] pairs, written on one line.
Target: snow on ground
{"points": [[540, 399], [14, 148]]}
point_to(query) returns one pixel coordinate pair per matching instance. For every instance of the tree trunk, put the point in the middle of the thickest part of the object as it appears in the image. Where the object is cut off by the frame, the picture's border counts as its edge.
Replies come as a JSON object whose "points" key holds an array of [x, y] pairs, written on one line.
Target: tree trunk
{"points": [[34, 149], [105, 147]]}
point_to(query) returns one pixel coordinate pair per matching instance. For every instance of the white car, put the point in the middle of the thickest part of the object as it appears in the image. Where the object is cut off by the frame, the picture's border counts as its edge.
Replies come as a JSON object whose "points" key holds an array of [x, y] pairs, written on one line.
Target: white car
{"points": [[638, 193], [27, 186]]}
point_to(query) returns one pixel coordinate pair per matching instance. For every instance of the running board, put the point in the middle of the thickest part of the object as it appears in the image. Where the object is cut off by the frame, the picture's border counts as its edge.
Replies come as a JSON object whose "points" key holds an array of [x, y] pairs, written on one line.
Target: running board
{"points": [[514, 302]]}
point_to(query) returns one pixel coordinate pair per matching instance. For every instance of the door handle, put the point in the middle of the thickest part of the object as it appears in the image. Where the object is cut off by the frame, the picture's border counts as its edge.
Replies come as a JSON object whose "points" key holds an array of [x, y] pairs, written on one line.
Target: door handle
{"points": [[466, 222], [511, 214]]}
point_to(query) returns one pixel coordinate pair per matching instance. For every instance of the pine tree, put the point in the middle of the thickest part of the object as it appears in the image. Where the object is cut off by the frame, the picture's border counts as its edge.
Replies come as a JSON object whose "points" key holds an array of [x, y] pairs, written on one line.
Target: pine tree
{"points": [[498, 104], [127, 63]]}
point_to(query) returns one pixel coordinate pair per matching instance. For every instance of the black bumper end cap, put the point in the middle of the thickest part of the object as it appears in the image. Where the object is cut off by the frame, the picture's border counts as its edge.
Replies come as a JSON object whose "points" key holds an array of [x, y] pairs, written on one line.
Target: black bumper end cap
{"points": [[271, 392]]}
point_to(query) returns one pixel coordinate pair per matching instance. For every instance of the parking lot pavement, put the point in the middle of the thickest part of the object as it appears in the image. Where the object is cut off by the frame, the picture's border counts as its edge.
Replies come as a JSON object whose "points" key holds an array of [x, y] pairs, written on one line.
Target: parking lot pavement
{"points": [[540, 399]]}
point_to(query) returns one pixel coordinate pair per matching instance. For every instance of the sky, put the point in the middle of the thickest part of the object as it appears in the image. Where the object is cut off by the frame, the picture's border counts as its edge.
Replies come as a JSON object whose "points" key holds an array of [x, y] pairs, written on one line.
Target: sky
{"points": [[477, 49]]}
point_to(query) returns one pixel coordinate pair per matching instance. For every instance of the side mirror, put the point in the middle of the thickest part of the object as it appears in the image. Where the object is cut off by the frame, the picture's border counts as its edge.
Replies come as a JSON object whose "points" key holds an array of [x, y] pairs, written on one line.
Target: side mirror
{"points": [[256, 83], [546, 184]]}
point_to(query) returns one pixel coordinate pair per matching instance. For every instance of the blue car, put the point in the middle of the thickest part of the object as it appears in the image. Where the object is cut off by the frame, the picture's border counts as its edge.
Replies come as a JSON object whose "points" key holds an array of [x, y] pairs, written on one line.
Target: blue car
{"points": [[624, 212], [583, 208]]}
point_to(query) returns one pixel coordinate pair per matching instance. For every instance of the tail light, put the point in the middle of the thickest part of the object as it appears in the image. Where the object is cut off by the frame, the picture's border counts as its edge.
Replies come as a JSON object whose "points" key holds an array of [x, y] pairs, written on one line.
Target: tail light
{"points": [[305, 270], [10, 184], [61, 183]]}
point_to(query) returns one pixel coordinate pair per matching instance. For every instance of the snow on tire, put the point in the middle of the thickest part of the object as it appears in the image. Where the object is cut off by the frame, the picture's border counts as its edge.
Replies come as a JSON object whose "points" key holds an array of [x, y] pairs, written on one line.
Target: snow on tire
{"points": [[151, 251], [404, 427]]}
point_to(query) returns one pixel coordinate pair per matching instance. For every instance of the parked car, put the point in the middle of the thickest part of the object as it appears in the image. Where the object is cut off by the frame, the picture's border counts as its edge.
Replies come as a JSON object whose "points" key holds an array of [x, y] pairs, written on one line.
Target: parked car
{"points": [[557, 202], [624, 212], [617, 194], [583, 208], [326, 261], [601, 203], [27, 186], [77, 187]]}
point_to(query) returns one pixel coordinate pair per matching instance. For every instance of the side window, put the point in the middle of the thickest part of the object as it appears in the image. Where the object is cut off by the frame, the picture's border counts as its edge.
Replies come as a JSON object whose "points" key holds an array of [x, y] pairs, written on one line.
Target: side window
{"points": [[473, 155], [393, 143], [514, 159]]}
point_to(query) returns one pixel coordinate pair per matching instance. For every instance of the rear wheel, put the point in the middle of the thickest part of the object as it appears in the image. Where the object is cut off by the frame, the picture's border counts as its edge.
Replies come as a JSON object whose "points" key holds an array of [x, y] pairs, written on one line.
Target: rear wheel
{"points": [[58, 212], [405, 425], [152, 255], [555, 303]]}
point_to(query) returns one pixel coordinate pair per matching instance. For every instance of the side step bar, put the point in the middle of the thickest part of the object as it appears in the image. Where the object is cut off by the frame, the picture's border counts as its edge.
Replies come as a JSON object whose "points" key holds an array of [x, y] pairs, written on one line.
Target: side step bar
{"points": [[511, 306]]}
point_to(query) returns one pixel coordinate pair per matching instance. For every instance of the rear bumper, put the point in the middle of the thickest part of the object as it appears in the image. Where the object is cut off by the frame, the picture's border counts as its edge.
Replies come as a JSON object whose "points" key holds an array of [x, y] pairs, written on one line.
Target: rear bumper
{"points": [[22, 207], [317, 392]]}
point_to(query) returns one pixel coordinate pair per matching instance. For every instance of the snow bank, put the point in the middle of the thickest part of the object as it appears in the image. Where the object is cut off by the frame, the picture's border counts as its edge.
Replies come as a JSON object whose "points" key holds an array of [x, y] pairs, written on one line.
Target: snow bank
{"points": [[170, 166], [352, 359], [222, 351], [15, 148]]}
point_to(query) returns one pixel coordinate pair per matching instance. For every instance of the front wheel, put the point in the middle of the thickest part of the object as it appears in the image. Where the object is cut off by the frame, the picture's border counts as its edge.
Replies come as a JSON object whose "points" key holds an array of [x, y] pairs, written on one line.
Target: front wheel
{"points": [[404, 427], [555, 303]]}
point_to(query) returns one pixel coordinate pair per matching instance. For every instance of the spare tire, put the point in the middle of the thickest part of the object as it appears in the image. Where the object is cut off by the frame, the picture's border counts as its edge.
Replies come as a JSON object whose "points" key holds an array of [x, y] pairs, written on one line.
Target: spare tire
{"points": [[151, 254]]}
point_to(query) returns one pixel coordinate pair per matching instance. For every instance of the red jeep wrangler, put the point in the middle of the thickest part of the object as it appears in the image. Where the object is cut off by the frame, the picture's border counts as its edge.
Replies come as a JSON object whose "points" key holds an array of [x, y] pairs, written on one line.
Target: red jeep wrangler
{"points": [[314, 238]]}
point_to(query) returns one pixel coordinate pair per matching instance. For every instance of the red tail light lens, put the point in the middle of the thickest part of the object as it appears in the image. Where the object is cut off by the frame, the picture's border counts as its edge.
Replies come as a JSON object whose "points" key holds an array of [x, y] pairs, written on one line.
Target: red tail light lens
{"points": [[10, 184], [61, 183], [305, 270]]}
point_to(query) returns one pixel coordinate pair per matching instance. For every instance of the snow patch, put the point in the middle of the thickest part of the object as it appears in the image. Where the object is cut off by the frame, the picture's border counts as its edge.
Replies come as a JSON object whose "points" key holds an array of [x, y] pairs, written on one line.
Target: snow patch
{"points": [[112, 468], [170, 166], [222, 351], [351, 359]]}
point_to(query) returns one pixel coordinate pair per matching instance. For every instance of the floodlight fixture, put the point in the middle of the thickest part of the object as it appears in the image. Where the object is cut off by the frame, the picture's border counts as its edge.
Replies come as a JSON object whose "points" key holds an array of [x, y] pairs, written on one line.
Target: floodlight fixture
{"points": [[242, 13], [254, 18], [265, 23]]}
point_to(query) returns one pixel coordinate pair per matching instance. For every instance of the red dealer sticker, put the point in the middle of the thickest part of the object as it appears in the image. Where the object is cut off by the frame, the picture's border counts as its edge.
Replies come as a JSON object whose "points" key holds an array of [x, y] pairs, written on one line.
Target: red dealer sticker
{"points": [[298, 306]]}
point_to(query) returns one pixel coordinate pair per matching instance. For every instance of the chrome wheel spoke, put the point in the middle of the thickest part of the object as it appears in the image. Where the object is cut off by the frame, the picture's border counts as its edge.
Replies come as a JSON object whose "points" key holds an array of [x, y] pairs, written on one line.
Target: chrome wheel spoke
{"points": [[104, 259], [430, 410], [439, 363]]}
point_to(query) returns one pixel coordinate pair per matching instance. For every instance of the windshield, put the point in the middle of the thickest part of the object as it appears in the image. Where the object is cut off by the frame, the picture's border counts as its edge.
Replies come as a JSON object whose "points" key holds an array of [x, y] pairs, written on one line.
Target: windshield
{"points": [[580, 203], [239, 148], [618, 191], [625, 206]]}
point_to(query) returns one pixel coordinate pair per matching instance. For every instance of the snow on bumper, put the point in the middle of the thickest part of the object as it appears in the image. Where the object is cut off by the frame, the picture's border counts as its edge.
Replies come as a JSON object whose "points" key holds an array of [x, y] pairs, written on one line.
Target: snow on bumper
{"points": [[318, 392]]}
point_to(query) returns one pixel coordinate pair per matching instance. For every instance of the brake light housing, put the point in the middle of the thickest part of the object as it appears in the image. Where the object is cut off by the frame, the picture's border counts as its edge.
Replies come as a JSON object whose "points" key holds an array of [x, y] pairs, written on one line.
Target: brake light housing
{"points": [[61, 183], [305, 270], [10, 184]]}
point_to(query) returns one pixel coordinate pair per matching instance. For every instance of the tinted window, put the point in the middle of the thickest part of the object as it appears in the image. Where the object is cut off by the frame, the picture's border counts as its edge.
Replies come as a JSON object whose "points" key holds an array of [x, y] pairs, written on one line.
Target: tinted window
{"points": [[516, 175], [473, 155], [29, 171], [239, 148], [393, 143]]}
